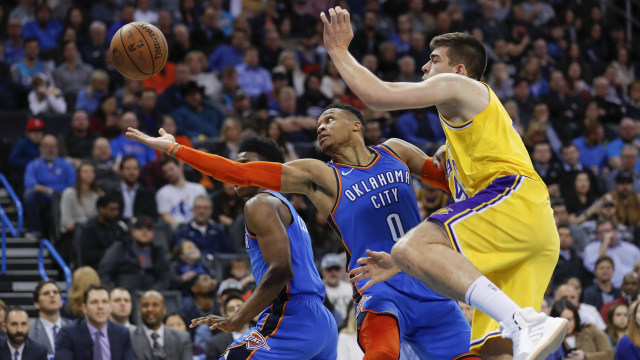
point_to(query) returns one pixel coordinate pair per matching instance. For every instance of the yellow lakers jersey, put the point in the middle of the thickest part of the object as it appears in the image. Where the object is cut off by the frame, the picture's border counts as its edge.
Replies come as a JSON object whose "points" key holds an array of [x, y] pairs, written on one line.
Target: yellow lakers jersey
{"points": [[484, 149]]}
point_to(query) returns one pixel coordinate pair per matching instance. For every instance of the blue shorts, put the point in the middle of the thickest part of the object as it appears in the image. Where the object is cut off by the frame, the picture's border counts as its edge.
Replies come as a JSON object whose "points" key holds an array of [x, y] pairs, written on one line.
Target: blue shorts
{"points": [[298, 329], [435, 329]]}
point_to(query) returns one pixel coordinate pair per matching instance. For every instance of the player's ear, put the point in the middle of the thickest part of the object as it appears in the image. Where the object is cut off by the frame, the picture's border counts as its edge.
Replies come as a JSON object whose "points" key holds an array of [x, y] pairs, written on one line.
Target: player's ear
{"points": [[357, 126], [461, 69]]}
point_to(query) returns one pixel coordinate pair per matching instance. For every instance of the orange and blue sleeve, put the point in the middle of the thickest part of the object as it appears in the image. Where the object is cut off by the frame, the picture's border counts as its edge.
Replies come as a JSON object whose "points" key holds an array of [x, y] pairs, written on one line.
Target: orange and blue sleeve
{"points": [[434, 176]]}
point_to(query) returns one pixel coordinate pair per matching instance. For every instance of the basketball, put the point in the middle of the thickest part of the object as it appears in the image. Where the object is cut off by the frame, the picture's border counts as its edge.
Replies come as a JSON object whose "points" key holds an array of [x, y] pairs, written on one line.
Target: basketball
{"points": [[139, 50]]}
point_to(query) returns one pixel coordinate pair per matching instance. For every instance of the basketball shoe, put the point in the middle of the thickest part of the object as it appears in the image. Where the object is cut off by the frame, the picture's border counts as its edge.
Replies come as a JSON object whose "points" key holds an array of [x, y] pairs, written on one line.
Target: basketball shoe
{"points": [[534, 335]]}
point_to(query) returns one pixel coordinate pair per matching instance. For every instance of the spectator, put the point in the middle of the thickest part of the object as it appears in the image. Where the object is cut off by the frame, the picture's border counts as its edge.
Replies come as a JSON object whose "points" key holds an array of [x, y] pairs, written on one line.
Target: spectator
{"points": [[136, 263], [45, 98], [562, 105], [208, 36], [227, 144], [407, 66], [104, 120], [627, 136], [227, 206], [105, 11], [217, 344], [624, 254], [45, 29], [144, 14], [253, 78], [126, 16], [603, 290], [271, 50], [23, 71], [627, 202], [610, 110], [133, 199], [172, 98], [298, 128], [17, 344], [180, 45], [368, 39], [561, 217], [310, 56], [348, 348], [588, 313], [544, 164], [632, 103], [94, 333], [76, 144], [331, 84], [629, 345], [200, 301], [313, 100], [208, 81], [78, 203], [82, 278], [89, 98], [26, 149], [95, 51], [338, 291], [582, 202], [104, 164], [100, 232], [175, 200], [45, 176], [628, 161], [570, 264], [13, 46], [147, 111], [3, 314], [274, 131], [500, 81], [122, 146], [208, 236], [629, 293], [606, 211], [581, 341], [72, 75], [120, 299], [617, 323], [197, 118], [165, 343], [229, 55], [289, 63], [187, 263], [48, 302], [592, 153]]}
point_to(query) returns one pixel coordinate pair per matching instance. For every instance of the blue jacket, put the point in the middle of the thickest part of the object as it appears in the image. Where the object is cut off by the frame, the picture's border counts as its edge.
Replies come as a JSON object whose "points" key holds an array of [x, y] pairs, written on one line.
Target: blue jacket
{"points": [[215, 240], [59, 176], [225, 56], [193, 124], [48, 37], [626, 350], [74, 341], [23, 152], [122, 146]]}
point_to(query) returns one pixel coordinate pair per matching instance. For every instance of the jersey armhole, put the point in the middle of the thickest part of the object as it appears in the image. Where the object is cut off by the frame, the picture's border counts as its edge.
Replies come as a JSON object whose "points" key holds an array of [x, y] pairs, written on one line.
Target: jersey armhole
{"points": [[339, 191], [393, 153], [293, 219]]}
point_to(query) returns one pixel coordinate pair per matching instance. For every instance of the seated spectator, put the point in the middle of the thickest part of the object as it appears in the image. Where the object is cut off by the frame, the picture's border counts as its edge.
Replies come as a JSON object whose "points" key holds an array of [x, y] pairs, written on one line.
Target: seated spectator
{"points": [[83, 277], [26, 149], [13, 46], [606, 211], [45, 29], [122, 146], [176, 322], [627, 202], [136, 263], [171, 98], [348, 348], [414, 127], [240, 270], [253, 78], [297, 127], [216, 345], [592, 153], [72, 75], [628, 161], [289, 63], [104, 120], [187, 263], [632, 103], [275, 132], [588, 313], [134, 200], [227, 144], [144, 14], [197, 118], [623, 254], [105, 164], [94, 332], [76, 144], [229, 55], [603, 290], [580, 341], [581, 200], [617, 323], [126, 16], [164, 342], [338, 291], [17, 344], [331, 84], [94, 52], [48, 301], [45, 176], [629, 293], [121, 307], [89, 98], [24, 70], [78, 203], [544, 164], [147, 111], [100, 232], [175, 200], [200, 301], [45, 98], [211, 85], [571, 167], [628, 135], [208, 236], [570, 264], [252, 121], [313, 100], [629, 345]]}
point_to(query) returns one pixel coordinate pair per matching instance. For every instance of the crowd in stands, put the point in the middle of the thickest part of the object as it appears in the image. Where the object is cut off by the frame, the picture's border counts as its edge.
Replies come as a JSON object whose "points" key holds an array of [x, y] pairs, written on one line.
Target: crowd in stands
{"points": [[142, 229]]}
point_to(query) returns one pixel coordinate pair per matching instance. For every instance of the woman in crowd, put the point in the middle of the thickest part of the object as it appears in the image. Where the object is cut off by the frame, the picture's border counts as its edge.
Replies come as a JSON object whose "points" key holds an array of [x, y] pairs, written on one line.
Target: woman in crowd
{"points": [[78, 202], [629, 345], [82, 278], [104, 120], [617, 323]]}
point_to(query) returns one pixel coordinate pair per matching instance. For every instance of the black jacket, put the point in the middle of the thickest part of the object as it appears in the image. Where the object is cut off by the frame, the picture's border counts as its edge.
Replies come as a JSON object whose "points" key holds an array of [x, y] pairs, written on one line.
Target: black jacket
{"points": [[32, 350]]}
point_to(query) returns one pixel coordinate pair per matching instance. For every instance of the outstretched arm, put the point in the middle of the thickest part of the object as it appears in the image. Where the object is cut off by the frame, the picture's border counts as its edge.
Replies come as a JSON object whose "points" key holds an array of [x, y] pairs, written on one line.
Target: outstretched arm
{"points": [[268, 222]]}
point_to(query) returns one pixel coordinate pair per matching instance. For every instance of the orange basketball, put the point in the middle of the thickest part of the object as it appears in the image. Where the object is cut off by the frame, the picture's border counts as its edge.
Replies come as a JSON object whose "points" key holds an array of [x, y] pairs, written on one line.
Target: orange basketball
{"points": [[139, 50]]}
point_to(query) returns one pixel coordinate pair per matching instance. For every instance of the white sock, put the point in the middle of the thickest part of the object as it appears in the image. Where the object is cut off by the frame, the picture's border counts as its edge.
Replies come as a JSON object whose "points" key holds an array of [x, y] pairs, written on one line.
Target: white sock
{"points": [[486, 297]]}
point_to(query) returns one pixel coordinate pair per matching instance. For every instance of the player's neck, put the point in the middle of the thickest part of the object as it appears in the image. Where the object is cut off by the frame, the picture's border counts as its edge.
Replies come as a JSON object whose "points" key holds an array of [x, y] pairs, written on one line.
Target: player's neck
{"points": [[358, 155]]}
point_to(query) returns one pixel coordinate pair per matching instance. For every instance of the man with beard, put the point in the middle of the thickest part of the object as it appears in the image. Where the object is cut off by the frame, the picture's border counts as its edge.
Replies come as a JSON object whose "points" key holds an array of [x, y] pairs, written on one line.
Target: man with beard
{"points": [[99, 233], [94, 337], [133, 199], [18, 346], [47, 299], [155, 339]]}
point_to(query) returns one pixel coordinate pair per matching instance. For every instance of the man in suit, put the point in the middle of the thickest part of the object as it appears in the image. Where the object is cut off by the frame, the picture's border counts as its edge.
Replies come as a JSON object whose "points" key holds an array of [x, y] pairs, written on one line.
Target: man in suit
{"points": [[94, 337], [17, 345], [217, 344], [45, 328], [133, 199], [154, 341], [121, 307]]}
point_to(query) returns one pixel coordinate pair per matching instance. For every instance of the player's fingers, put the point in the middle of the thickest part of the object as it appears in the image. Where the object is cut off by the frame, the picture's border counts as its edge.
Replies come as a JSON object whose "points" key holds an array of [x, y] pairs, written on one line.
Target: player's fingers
{"points": [[162, 132], [367, 285], [341, 16], [364, 260], [362, 276], [358, 270], [324, 19], [334, 16], [375, 254], [347, 16]]}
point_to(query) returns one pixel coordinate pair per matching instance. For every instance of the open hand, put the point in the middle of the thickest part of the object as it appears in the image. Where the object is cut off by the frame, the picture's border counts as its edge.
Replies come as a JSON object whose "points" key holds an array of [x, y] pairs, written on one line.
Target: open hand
{"points": [[161, 143], [217, 322], [337, 33], [379, 266]]}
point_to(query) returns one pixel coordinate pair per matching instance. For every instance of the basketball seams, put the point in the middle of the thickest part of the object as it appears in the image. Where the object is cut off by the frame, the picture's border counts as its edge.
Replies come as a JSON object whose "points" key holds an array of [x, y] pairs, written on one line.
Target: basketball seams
{"points": [[124, 48], [153, 63]]}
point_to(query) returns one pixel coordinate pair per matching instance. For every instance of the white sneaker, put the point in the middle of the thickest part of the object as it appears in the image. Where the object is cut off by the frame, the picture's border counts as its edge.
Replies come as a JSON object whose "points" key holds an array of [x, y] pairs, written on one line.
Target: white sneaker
{"points": [[534, 335]]}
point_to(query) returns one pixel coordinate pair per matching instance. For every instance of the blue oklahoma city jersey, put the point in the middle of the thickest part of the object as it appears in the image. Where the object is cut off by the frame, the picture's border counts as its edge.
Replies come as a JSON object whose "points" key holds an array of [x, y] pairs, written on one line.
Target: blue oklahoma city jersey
{"points": [[306, 279], [376, 207]]}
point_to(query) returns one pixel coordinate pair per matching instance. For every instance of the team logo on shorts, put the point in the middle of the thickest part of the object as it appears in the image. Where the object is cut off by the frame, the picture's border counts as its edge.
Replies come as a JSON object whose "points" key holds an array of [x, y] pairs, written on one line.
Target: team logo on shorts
{"points": [[360, 306], [255, 340]]}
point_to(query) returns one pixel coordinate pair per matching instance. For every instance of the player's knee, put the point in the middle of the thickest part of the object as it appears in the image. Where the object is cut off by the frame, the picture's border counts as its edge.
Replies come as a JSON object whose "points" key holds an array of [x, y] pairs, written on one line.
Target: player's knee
{"points": [[381, 354]]}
